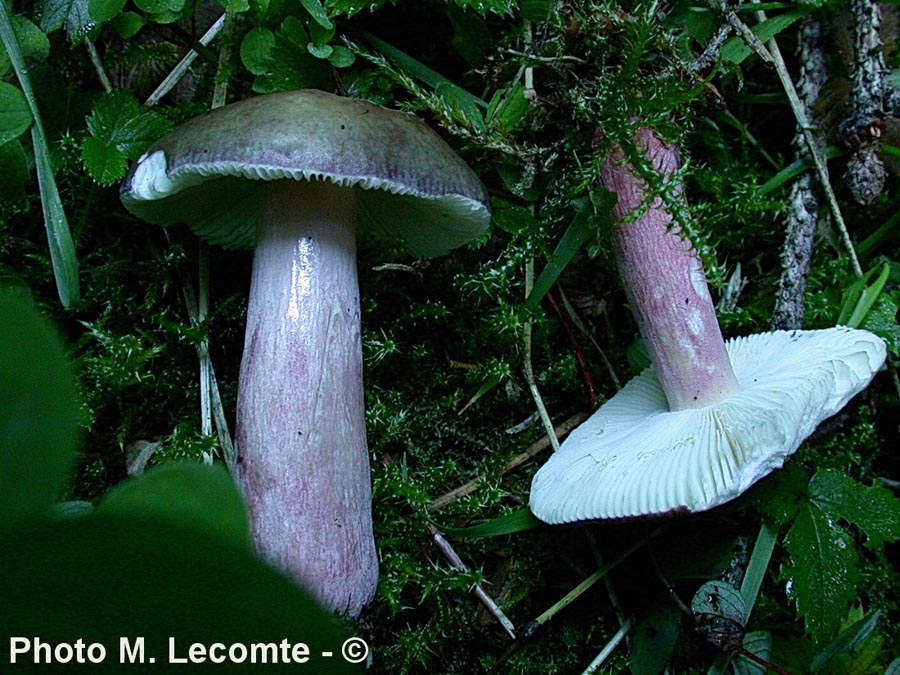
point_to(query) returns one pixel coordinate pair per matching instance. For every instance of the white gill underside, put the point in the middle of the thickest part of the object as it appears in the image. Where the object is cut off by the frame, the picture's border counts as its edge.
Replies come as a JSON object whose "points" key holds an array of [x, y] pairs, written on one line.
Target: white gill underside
{"points": [[635, 457]]}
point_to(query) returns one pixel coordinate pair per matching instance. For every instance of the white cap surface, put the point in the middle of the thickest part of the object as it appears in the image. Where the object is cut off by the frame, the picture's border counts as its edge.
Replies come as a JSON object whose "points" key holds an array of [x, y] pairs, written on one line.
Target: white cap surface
{"points": [[634, 457]]}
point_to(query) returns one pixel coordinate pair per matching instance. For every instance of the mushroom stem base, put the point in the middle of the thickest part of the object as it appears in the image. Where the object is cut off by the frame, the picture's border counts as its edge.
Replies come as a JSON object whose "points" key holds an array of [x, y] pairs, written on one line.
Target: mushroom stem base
{"points": [[303, 464]]}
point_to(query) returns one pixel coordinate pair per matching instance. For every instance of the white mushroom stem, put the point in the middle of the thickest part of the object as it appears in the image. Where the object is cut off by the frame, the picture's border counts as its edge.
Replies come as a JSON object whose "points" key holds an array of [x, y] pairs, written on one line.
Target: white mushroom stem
{"points": [[665, 284], [303, 464]]}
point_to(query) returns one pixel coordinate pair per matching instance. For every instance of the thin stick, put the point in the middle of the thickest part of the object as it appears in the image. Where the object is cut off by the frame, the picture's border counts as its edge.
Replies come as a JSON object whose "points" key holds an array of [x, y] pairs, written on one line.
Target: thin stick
{"points": [[576, 592], [98, 66], [517, 461], [529, 372], [774, 55], [493, 609], [182, 66], [609, 648]]}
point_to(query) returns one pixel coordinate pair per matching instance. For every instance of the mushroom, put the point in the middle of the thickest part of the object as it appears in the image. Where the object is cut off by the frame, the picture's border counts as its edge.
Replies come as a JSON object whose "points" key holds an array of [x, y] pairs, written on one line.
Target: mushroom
{"points": [[293, 173], [708, 418]]}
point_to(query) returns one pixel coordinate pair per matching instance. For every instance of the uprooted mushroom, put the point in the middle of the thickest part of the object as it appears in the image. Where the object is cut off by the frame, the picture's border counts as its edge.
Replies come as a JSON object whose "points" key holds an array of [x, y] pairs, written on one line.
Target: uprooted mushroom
{"points": [[708, 418]]}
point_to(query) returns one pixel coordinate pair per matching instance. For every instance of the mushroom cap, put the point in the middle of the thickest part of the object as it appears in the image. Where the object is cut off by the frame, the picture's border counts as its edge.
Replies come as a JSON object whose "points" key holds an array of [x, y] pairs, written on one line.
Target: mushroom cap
{"points": [[634, 457], [409, 181]]}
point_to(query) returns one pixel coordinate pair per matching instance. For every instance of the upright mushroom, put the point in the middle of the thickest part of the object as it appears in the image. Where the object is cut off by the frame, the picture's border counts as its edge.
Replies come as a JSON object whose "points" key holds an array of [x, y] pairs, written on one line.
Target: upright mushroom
{"points": [[708, 418], [293, 173]]}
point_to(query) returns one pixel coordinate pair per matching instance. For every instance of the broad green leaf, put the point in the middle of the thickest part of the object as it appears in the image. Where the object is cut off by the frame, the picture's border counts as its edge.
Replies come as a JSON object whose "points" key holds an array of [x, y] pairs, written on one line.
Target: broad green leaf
{"points": [[319, 35], [654, 637], [38, 410], [105, 164], [822, 573], [104, 10], [578, 232], [256, 49], [319, 51], [318, 13], [781, 494], [128, 24], [873, 509], [120, 130], [517, 521], [62, 248], [160, 6], [290, 64], [33, 43], [104, 579], [341, 57], [190, 495], [736, 50], [15, 115], [847, 641], [73, 14], [236, 6], [513, 218], [535, 10], [351, 7]]}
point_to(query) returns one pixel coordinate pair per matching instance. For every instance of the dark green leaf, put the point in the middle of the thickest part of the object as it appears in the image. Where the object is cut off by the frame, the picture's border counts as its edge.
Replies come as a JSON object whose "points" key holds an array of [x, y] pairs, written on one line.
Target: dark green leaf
{"points": [[781, 495], [535, 10], [319, 35], [160, 6], [105, 164], [120, 131], [237, 6], [189, 495], [793, 170], [513, 218], [517, 521], [318, 13], [73, 14], [654, 637], [38, 410], [341, 57], [485, 6], [33, 43], [15, 115], [822, 574], [104, 10], [847, 641], [256, 49], [873, 509], [128, 24], [859, 298], [104, 579], [319, 51]]}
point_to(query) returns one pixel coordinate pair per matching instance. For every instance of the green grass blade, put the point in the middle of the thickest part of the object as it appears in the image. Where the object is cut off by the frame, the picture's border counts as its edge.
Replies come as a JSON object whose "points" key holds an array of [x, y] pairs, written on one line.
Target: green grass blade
{"points": [[511, 523], [62, 248], [793, 170], [577, 233], [422, 72]]}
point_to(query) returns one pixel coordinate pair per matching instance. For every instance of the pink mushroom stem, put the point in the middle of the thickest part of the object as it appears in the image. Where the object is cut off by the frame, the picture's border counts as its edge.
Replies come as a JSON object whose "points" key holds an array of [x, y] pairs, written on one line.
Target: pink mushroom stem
{"points": [[303, 461], [665, 283]]}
